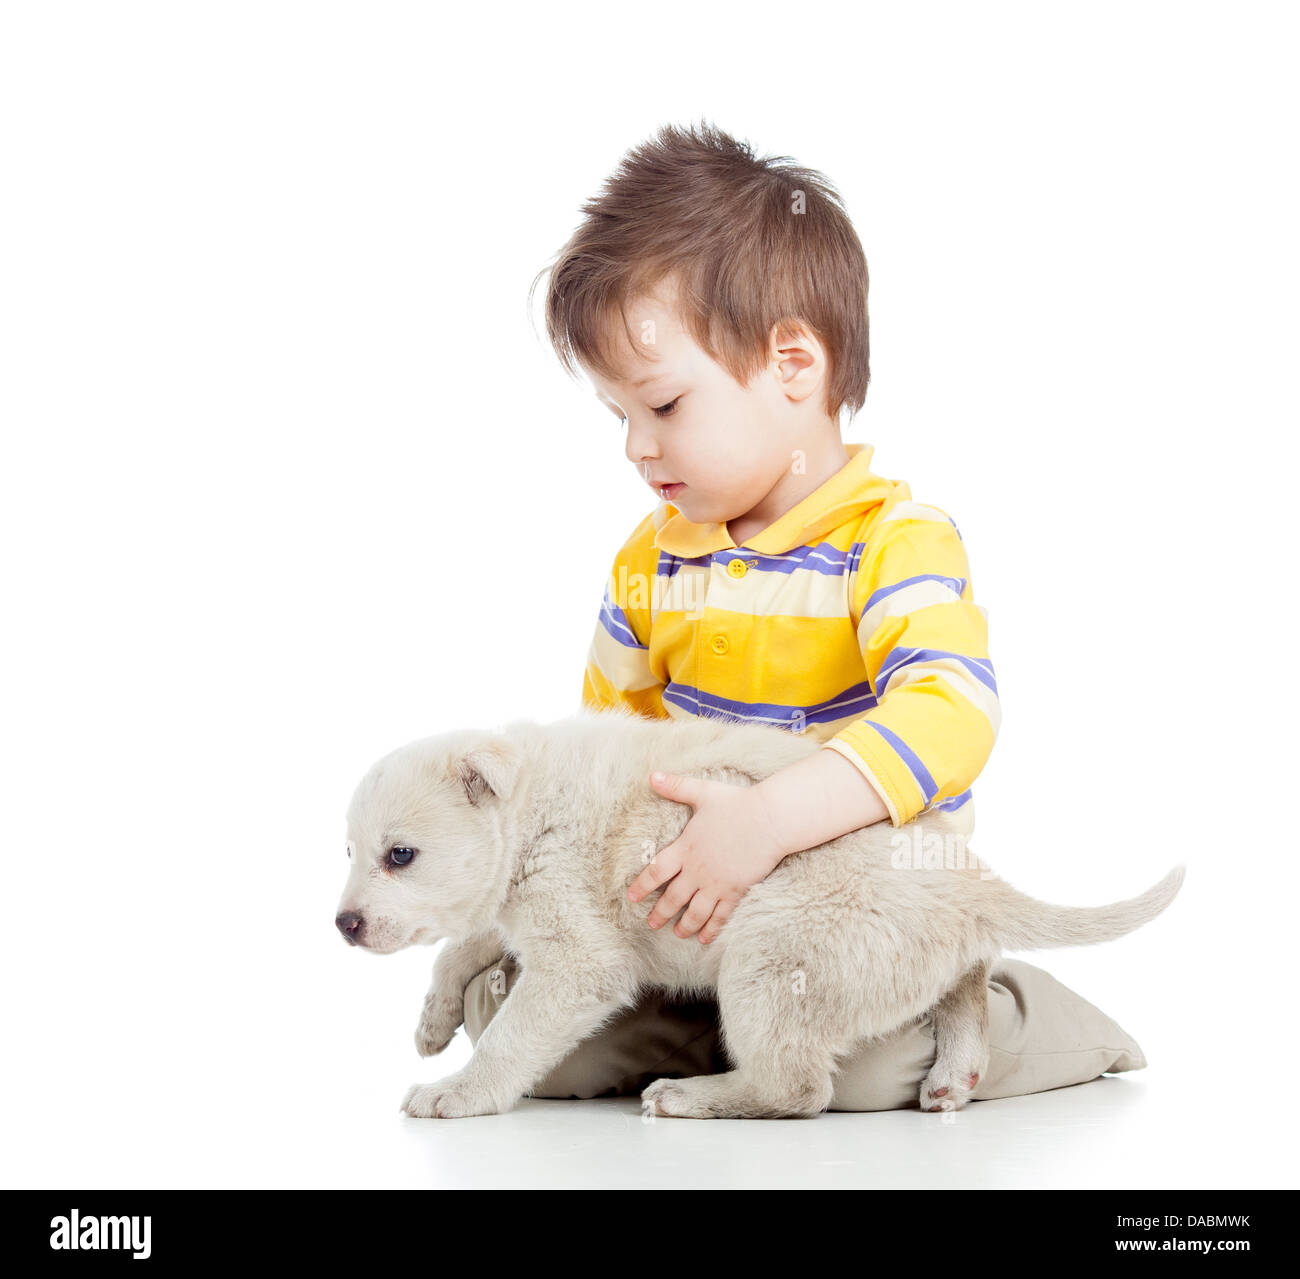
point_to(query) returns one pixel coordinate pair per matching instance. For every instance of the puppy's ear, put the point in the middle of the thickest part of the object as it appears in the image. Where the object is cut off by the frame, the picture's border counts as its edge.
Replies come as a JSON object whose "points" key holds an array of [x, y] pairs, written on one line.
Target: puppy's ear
{"points": [[490, 769]]}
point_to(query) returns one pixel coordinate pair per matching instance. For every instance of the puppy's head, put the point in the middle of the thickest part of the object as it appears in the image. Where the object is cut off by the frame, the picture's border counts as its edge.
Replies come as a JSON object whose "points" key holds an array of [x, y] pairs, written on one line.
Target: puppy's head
{"points": [[424, 839]]}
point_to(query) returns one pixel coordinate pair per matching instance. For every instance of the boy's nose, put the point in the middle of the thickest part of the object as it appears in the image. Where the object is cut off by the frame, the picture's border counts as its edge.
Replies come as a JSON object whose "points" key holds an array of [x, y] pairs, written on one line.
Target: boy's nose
{"points": [[641, 449]]}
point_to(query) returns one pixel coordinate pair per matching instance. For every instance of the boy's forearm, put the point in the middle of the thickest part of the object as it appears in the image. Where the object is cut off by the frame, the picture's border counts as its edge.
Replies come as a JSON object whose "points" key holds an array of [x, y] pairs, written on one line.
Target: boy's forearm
{"points": [[818, 799]]}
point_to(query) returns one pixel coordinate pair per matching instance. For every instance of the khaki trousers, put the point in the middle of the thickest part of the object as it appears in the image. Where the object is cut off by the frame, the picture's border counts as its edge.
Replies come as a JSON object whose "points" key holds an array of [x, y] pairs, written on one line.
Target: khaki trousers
{"points": [[1041, 1035]]}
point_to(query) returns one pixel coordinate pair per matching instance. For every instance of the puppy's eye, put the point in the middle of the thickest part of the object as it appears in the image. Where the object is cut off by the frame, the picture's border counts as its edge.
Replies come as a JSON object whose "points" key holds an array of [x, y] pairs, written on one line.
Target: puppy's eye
{"points": [[401, 856]]}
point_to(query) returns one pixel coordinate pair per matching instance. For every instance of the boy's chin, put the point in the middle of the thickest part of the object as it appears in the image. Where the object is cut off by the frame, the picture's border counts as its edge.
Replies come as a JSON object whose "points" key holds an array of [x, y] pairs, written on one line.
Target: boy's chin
{"points": [[695, 507]]}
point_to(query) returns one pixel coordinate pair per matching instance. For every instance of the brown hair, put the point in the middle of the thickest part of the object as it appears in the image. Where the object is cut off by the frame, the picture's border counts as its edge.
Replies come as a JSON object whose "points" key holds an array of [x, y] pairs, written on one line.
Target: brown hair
{"points": [[696, 206]]}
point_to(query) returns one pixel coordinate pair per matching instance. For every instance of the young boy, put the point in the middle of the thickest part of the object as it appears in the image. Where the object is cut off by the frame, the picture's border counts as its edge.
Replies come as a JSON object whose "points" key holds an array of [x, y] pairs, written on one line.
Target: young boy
{"points": [[718, 303]]}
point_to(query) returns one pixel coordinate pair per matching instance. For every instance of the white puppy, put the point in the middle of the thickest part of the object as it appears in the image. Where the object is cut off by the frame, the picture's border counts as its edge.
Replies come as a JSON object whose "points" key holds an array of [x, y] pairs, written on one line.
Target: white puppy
{"points": [[525, 841]]}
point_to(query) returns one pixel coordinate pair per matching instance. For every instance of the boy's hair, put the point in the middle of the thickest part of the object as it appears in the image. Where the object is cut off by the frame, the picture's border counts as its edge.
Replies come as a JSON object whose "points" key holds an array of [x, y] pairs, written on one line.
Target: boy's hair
{"points": [[749, 242]]}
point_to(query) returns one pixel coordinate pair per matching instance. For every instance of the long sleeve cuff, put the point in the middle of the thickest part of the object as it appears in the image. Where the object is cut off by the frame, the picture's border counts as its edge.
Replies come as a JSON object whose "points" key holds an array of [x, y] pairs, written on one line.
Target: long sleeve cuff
{"points": [[886, 756]]}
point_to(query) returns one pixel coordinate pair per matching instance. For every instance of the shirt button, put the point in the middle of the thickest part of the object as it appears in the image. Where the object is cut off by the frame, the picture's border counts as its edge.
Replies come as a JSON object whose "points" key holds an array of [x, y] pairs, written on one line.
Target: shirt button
{"points": [[737, 568], [720, 644]]}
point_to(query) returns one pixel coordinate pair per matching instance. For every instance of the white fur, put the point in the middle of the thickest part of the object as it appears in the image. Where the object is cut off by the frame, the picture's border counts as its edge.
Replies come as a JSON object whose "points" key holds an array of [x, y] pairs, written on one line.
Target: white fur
{"points": [[527, 841]]}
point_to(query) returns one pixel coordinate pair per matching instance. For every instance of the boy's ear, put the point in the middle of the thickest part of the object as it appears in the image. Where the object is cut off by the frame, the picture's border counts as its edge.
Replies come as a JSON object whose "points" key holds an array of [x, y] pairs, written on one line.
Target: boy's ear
{"points": [[491, 769]]}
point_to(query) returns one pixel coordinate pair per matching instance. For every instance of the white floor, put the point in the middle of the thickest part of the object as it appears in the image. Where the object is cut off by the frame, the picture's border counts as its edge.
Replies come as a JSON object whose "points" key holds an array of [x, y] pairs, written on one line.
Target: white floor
{"points": [[295, 1081], [1112, 1132], [1115, 1131]]}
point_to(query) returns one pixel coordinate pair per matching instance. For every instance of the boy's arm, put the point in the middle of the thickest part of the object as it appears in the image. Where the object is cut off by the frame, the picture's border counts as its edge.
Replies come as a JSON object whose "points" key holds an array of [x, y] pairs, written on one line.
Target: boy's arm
{"points": [[816, 800], [924, 642], [618, 661]]}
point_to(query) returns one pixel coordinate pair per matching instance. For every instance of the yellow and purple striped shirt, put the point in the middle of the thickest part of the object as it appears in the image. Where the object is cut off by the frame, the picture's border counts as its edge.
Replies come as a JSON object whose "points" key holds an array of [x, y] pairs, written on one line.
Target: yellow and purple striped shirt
{"points": [[851, 617]]}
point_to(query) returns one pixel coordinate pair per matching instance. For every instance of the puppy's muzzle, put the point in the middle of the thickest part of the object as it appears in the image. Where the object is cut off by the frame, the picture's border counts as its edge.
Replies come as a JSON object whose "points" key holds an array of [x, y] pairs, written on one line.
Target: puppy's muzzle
{"points": [[350, 924]]}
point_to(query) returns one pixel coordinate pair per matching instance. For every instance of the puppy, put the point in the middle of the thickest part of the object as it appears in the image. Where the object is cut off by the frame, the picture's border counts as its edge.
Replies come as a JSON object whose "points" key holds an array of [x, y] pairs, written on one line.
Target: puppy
{"points": [[526, 840]]}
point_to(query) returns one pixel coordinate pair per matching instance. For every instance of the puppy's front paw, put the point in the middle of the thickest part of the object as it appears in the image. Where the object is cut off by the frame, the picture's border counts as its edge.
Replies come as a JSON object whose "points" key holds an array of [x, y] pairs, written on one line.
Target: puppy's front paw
{"points": [[677, 1097], [450, 1098], [441, 1019]]}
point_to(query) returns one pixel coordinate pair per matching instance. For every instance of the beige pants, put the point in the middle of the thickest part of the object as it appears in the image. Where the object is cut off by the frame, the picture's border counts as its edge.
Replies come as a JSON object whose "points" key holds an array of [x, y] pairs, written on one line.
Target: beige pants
{"points": [[1041, 1035]]}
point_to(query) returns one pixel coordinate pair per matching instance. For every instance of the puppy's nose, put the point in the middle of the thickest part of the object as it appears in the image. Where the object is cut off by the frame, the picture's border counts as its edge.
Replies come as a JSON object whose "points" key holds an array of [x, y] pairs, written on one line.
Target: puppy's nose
{"points": [[349, 924]]}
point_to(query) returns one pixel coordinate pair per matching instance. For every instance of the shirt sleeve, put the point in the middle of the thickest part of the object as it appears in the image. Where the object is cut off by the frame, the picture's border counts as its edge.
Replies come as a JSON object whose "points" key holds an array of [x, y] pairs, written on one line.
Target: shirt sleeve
{"points": [[924, 642], [618, 661]]}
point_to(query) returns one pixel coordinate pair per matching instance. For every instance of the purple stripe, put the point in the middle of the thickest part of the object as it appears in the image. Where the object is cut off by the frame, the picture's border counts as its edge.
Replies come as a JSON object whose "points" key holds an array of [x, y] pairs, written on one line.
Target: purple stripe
{"points": [[954, 584], [821, 557], [952, 804], [910, 758], [669, 564], [898, 658], [614, 620], [852, 702]]}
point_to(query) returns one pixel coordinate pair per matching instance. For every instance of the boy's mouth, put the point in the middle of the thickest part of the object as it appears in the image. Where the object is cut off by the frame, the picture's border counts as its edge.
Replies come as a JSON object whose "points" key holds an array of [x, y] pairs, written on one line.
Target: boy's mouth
{"points": [[668, 490]]}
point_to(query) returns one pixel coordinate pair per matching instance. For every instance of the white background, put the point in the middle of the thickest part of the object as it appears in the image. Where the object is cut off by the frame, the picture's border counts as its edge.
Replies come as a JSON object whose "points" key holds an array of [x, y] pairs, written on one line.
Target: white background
{"points": [[289, 478]]}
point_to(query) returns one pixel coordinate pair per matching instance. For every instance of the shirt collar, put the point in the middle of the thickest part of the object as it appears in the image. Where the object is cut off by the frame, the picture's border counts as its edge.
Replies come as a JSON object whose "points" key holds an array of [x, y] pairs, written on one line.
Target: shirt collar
{"points": [[852, 489]]}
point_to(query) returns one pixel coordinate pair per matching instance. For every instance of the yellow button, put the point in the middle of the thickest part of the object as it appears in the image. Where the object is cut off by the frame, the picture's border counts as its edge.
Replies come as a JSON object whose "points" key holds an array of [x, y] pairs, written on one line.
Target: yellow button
{"points": [[737, 568], [720, 644]]}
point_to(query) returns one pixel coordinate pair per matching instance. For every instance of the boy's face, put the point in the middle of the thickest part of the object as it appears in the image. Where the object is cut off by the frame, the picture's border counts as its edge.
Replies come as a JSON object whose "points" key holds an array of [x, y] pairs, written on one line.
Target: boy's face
{"points": [[719, 446]]}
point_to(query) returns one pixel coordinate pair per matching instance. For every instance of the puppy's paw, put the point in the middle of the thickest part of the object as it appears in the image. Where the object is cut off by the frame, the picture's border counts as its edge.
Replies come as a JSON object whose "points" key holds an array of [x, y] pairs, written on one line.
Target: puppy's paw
{"points": [[949, 1086], [450, 1098], [441, 1019], [677, 1099]]}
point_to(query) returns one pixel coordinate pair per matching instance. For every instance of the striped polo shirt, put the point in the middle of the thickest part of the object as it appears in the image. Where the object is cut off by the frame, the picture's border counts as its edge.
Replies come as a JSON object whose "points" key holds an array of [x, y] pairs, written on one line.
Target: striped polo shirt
{"points": [[851, 617]]}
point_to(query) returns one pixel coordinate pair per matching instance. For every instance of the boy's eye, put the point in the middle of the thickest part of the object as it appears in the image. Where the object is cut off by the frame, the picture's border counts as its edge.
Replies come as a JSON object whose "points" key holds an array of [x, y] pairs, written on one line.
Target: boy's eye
{"points": [[666, 410], [401, 856]]}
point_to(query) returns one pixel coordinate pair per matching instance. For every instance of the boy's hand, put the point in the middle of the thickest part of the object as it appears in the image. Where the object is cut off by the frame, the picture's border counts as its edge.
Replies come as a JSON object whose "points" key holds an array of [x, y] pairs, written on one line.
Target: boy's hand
{"points": [[727, 847]]}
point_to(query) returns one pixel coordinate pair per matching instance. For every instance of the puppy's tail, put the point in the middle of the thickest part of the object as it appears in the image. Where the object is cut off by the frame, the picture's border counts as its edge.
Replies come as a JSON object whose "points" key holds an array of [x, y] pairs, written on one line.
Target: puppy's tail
{"points": [[1025, 924]]}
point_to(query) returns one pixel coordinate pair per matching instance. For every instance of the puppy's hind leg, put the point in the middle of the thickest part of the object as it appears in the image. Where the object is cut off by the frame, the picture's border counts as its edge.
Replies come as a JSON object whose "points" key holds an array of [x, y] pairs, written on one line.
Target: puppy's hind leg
{"points": [[777, 1032], [961, 1035]]}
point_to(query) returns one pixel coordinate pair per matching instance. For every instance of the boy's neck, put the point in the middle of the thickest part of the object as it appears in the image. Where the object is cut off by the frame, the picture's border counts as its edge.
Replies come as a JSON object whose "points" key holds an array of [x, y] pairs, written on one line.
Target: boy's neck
{"points": [[791, 489]]}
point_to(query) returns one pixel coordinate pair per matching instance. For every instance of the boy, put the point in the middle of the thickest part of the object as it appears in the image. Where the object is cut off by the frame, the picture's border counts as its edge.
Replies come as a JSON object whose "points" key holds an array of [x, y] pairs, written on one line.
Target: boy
{"points": [[718, 302]]}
